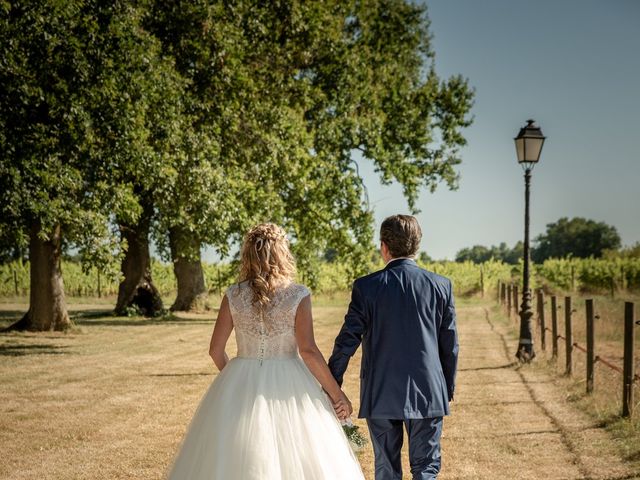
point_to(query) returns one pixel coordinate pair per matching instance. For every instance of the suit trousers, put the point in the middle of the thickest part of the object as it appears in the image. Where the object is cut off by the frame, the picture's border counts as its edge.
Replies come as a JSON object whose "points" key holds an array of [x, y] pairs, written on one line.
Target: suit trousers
{"points": [[387, 437]]}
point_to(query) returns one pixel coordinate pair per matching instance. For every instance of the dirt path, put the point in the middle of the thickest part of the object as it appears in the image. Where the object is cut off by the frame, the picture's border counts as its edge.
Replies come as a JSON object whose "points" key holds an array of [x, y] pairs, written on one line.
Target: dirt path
{"points": [[511, 422]]}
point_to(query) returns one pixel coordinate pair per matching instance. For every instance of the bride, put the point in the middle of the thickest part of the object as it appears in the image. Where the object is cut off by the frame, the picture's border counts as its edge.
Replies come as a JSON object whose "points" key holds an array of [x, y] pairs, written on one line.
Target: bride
{"points": [[266, 416]]}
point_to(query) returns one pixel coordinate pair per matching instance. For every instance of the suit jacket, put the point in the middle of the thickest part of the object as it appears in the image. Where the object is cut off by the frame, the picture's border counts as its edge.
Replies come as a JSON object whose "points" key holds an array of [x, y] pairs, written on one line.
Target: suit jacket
{"points": [[405, 318]]}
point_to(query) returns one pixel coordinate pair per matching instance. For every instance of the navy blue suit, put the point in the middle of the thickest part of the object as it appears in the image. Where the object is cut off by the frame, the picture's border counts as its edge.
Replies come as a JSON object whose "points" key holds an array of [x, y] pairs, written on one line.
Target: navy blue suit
{"points": [[404, 316]]}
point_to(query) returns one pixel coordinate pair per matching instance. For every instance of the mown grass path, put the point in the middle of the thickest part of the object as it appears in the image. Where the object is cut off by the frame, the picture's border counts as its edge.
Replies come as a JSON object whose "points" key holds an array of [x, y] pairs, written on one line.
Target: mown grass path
{"points": [[112, 400], [513, 422]]}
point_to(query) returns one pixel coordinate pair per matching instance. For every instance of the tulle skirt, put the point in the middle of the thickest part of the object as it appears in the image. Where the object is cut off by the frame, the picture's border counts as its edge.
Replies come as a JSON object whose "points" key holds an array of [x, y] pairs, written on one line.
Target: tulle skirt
{"points": [[264, 421]]}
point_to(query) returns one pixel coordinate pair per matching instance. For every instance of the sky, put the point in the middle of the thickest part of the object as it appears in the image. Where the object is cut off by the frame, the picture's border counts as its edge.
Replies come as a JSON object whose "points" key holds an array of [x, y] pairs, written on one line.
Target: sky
{"points": [[574, 67]]}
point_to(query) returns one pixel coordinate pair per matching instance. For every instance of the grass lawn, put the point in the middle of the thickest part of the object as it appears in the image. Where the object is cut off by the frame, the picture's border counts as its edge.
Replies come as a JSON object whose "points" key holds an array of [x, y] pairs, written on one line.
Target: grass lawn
{"points": [[111, 399]]}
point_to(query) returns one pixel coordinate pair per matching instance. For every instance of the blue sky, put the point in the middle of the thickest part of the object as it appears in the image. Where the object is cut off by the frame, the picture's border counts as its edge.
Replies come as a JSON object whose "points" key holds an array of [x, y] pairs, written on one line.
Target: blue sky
{"points": [[574, 67]]}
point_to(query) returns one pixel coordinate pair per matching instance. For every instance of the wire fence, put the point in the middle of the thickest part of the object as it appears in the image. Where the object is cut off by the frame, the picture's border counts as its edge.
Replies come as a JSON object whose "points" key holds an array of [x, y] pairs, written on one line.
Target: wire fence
{"points": [[507, 296]]}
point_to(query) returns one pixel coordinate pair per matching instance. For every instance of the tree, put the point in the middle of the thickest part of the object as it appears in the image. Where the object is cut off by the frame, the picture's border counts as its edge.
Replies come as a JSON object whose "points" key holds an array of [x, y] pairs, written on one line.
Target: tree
{"points": [[286, 92], [68, 120], [424, 257], [512, 256], [330, 255], [141, 123], [475, 254], [480, 253], [630, 251], [13, 245], [577, 237], [208, 195]]}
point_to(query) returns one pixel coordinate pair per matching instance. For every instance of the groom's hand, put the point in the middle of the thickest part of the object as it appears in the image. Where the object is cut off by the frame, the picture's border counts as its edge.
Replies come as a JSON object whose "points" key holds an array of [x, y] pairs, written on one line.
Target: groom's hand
{"points": [[343, 407]]}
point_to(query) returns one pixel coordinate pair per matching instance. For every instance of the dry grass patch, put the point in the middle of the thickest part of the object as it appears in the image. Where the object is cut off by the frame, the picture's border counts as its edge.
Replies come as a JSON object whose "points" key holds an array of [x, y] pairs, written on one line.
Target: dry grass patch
{"points": [[112, 398]]}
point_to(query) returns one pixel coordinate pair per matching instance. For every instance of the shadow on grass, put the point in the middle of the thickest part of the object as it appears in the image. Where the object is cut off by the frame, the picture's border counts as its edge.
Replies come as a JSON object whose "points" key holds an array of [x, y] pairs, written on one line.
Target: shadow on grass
{"points": [[33, 349], [104, 318], [137, 322], [10, 315], [631, 476], [107, 318]]}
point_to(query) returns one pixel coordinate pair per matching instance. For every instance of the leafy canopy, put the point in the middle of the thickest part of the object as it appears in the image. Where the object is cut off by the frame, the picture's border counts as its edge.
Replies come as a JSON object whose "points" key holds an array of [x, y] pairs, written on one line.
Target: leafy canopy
{"points": [[216, 115], [85, 108], [481, 254], [284, 93], [576, 237]]}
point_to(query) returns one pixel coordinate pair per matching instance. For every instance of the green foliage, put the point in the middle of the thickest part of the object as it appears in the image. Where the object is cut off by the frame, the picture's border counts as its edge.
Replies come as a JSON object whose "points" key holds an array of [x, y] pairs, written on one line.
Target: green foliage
{"points": [[83, 105], [425, 258], [481, 254], [632, 251], [333, 277], [560, 273], [282, 94], [133, 311], [211, 117], [591, 274], [595, 275], [466, 276], [578, 237]]}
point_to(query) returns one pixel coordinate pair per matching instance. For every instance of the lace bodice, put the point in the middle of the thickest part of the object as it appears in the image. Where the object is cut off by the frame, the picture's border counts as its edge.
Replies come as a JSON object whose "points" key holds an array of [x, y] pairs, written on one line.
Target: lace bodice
{"points": [[270, 334]]}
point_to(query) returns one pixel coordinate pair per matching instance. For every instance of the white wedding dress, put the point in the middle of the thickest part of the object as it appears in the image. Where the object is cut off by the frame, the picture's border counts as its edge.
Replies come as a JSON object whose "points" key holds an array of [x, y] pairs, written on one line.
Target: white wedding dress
{"points": [[265, 417]]}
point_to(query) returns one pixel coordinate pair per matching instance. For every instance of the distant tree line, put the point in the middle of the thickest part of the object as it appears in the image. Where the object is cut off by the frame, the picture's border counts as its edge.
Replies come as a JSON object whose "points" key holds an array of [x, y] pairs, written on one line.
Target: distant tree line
{"points": [[481, 254], [577, 237]]}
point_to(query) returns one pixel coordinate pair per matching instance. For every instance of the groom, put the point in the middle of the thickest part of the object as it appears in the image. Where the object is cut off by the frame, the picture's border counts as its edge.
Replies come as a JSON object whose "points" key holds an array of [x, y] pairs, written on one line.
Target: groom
{"points": [[404, 316]]}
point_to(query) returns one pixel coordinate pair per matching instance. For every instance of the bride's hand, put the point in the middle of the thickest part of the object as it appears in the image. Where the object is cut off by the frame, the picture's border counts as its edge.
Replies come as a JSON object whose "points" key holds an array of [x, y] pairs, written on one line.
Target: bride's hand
{"points": [[342, 406]]}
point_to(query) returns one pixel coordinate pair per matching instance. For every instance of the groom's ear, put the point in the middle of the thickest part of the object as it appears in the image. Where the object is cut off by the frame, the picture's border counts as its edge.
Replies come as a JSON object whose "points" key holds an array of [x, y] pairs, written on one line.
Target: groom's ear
{"points": [[384, 249]]}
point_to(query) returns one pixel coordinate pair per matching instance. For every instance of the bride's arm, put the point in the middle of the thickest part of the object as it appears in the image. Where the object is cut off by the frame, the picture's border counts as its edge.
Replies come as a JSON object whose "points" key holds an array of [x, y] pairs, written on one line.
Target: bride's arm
{"points": [[221, 332], [314, 360]]}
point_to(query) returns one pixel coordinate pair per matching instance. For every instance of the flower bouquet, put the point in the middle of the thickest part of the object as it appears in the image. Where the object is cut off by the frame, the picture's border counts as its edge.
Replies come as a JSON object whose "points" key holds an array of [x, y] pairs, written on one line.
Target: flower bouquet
{"points": [[356, 439]]}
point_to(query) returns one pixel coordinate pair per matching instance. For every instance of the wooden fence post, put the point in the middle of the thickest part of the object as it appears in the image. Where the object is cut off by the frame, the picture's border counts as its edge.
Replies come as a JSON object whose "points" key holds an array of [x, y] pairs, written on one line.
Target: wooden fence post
{"points": [[612, 287], [554, 326], [15, 282], [503, 293], [509, 298], [590, 345], [627, 374], [515, 301], [568, 335], [498, 293], [542, 323], [99, 286]]}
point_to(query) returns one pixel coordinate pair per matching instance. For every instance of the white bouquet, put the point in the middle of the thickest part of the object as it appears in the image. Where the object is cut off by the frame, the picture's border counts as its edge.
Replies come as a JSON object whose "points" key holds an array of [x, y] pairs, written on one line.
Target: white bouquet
{"points": [[356, 440]]}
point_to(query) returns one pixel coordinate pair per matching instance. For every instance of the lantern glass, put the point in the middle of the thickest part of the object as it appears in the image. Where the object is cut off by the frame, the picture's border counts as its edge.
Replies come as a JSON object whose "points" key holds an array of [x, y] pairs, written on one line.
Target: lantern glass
{"points": [[520, 149], [529, 144]]}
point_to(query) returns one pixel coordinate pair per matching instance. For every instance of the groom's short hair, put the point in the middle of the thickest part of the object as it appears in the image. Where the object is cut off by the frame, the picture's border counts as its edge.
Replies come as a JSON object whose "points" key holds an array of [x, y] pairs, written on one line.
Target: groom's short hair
{"points": [[401, 234]]}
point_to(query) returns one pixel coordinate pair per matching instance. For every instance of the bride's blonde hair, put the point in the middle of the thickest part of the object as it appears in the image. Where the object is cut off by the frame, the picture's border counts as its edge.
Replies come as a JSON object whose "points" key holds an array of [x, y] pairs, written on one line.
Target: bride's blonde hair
{"points": [[266, 261]]}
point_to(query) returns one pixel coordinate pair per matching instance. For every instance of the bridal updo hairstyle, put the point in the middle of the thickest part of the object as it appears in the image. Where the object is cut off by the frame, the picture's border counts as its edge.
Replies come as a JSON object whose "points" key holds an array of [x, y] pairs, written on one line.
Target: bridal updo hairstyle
{"points": [[267, 262], [401, 234]]}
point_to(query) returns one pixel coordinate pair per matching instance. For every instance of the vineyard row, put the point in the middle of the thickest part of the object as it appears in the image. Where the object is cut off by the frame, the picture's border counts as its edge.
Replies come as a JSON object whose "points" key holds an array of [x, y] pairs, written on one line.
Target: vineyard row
{"points": [[586, 275]]}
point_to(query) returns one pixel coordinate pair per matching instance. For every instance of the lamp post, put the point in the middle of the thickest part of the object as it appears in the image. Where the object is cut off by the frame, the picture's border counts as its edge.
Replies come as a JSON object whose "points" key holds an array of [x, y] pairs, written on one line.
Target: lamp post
{"points": [[528, 147]]}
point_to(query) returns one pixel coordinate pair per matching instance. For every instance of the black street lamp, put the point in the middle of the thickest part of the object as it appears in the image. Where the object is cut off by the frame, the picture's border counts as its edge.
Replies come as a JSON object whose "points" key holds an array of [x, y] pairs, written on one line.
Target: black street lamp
{"points": [[528, 147]]}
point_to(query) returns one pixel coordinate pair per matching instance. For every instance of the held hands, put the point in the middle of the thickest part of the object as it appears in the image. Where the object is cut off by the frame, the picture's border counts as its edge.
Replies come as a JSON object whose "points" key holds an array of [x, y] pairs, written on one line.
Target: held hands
{"points": [[342, 406]]}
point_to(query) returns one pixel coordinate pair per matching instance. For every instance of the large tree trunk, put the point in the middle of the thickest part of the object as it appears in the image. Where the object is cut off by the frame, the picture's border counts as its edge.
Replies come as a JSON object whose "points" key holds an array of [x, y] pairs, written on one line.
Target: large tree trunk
{"points": [[137, 288], [47, 304], [185, 253]]}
